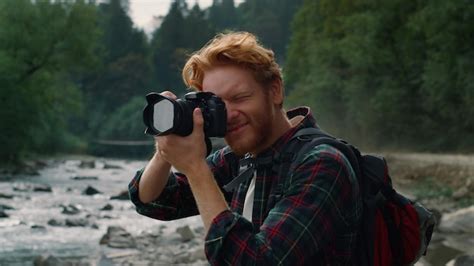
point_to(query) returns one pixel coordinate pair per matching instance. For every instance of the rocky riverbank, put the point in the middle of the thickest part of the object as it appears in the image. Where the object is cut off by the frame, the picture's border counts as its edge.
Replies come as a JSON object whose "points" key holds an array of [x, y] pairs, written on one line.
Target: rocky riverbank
{"points": [[77, 212]]}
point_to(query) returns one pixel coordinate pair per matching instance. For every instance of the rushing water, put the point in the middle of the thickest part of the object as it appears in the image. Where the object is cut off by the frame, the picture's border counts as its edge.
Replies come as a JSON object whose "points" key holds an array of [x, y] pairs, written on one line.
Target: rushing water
{"points": [[26, 234]]}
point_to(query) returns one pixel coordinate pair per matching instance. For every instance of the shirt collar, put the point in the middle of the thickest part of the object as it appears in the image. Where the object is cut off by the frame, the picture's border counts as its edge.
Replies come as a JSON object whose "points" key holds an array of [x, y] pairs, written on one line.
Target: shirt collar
{"points": [[307, 121]]}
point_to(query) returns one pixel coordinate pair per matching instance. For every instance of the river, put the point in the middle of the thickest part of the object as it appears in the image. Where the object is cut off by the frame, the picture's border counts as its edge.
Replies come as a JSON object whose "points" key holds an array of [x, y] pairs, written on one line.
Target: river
{"points": [[30, 230], [26, 234]]}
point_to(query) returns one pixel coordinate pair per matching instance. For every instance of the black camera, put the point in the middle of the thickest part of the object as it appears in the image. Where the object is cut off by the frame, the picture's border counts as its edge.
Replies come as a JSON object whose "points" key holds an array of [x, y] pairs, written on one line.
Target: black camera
{"points": [[164, 116]]}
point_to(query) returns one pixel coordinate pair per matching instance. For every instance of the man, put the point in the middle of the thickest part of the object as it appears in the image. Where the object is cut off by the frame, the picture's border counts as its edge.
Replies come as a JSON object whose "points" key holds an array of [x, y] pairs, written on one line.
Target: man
{"points": [[313, 220]]}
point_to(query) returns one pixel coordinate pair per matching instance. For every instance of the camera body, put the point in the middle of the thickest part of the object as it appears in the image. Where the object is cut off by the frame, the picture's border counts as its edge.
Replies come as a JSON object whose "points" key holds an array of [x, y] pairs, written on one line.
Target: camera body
{"points": [[164, 116]]}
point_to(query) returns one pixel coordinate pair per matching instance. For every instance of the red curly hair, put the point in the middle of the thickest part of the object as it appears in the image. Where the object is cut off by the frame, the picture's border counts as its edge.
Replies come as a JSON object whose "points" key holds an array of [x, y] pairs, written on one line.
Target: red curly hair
{"points": [[235, 48]]}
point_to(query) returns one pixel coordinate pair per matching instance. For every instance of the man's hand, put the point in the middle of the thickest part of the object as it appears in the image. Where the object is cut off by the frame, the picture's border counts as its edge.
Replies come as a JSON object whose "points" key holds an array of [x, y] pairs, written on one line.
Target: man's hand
{"points": [[186, 154]]}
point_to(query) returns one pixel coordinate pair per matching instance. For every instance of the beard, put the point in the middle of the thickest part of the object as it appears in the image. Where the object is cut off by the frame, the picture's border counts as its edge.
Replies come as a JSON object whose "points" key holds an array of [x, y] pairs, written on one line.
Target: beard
{"points": [[256, 133]]}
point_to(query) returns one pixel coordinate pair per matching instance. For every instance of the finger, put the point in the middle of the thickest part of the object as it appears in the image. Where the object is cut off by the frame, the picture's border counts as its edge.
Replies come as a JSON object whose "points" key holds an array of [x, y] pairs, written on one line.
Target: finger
{"points": [[198, 120], [169, 94]]}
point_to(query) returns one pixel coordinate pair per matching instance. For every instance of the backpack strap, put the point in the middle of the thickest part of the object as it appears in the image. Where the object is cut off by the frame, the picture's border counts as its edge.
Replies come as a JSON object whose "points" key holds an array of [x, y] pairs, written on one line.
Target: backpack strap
{"points": [[305, 140]]}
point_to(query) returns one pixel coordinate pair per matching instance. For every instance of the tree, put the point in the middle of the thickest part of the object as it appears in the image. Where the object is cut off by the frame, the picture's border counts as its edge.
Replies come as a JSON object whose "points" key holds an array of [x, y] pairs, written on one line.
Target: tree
{"points": [[383, 72], [182, 32], [41, 44], [223, 15], [270, 20], [124, 72]]}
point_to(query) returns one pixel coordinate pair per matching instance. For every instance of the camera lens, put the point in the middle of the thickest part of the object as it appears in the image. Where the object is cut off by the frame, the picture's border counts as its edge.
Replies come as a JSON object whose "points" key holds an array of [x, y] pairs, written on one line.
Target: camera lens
{"points": [[164, 116]]}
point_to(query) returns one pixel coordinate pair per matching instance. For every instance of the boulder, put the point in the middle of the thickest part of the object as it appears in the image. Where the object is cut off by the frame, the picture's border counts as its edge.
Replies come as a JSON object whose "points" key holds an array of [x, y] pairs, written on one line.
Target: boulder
{"points": [[42, 188], [26, 187], [107, 207], [38, 227], [117, 237], [54, 222], [6, 196], [112, 166], [81, 222], [3, 214], [121, 196], [87, 164], [186, 233], [90, 191], [6, 207], [84, 178], [71, 209], [460, 221], [463, 260]]}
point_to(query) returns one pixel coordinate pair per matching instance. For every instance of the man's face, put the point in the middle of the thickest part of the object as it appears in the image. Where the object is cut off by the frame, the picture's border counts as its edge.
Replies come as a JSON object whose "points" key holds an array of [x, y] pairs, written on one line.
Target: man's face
{"points": [[250, 107]]}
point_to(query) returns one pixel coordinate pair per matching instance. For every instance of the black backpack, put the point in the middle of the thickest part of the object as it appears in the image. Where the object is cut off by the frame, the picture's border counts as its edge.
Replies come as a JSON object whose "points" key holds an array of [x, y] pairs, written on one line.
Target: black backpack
{"points": [[394, 230]]}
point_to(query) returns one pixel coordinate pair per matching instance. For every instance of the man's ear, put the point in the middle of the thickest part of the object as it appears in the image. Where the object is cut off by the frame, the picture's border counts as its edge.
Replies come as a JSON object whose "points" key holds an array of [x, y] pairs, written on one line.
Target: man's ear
{"points": [[277, 92]]}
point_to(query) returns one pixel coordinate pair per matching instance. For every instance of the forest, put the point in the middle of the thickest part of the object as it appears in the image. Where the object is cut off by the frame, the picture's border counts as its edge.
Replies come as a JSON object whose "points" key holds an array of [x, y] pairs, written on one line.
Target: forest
{"points": [[394, 74]]}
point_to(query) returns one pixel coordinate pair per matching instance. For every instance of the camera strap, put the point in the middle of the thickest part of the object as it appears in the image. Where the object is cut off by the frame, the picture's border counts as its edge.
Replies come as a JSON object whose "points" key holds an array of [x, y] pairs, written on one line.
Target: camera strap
{"points": [[246, 170], [247, 167]]}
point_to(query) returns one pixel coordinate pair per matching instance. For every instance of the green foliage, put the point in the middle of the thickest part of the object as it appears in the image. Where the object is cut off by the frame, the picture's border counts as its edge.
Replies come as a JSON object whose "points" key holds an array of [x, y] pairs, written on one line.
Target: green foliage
{"points": [[41, 43], [124, 70], [389, 74], [126, 123], [182, 31], [223, 15], [270, 20]]}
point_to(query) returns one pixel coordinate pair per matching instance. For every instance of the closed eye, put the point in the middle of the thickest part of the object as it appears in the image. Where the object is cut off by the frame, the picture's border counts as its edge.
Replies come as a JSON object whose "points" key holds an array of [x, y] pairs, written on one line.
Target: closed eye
{"points": [[240, 98]]}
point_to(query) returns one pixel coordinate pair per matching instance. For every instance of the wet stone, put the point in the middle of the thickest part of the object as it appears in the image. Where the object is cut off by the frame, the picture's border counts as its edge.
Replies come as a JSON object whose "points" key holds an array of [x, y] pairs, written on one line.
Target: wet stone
{"points": [[463, 260], [71, 209], [117, 237], [459, 221], [38, 227], [87, 164], [22, 187], [3, 214], [112, 166], [81, 222], [42, 188], [6, 207], [90, 191], [186, 233], [121, 196], [85, 178], [54, 222], [6, 196], [107, 207]]}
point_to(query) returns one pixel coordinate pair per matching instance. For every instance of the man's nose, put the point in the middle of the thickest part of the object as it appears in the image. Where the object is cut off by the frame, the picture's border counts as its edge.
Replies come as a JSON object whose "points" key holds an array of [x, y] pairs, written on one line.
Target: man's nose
{"points": [[232, 113]]}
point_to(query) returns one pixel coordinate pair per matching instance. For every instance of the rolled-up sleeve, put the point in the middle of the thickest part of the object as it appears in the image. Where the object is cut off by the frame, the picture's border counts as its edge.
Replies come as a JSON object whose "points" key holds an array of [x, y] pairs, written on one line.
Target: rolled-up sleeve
{"points": [[317, 215]]}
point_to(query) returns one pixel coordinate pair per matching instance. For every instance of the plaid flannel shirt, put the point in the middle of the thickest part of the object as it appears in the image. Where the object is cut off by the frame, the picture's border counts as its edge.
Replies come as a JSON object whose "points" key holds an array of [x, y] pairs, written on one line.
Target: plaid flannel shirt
{"points": [[313, 221]]}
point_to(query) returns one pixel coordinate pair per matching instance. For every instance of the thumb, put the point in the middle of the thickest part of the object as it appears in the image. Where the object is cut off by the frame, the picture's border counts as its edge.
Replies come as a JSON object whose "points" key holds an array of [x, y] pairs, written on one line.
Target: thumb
{"points": [[198, 120]]}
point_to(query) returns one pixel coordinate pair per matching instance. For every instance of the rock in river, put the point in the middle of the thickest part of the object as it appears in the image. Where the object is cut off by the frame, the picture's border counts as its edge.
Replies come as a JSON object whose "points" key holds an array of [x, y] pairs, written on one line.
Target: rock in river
{"points": [[121, 196], [117, 237], [3, 214], [186, 233], [460, 221], [90, 191], [71, 209]]}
